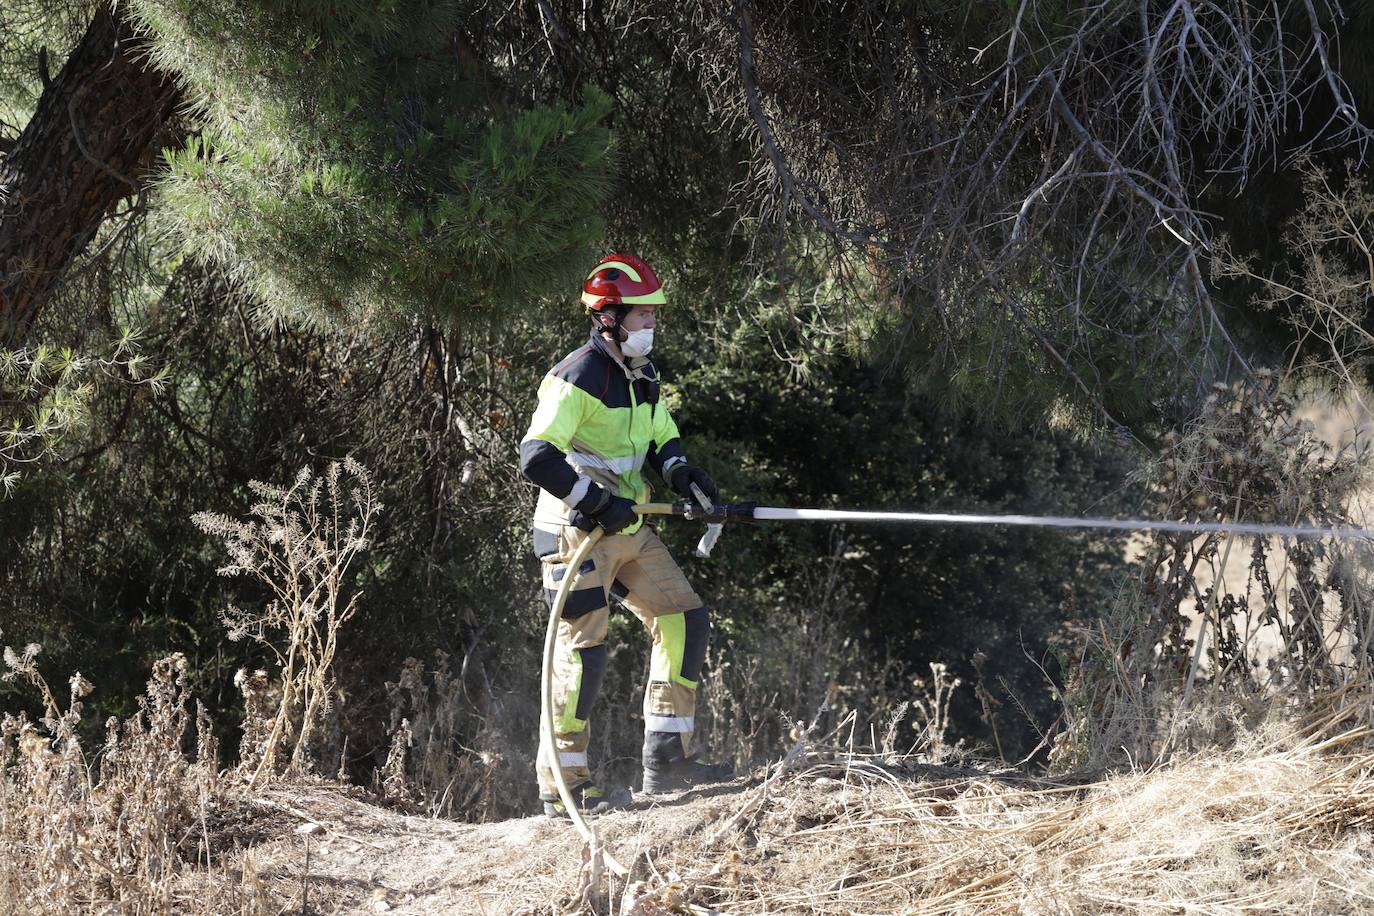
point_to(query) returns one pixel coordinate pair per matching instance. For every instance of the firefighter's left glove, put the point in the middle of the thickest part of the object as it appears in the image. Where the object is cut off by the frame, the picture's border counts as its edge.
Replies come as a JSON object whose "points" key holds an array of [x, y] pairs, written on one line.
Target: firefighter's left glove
{"points": [[611, 512], [683, 475]]}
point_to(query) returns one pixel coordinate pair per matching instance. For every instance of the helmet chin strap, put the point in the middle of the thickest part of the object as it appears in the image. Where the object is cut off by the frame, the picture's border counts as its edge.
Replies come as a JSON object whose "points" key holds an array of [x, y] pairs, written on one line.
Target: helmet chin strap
{"points": [[619, 313]]}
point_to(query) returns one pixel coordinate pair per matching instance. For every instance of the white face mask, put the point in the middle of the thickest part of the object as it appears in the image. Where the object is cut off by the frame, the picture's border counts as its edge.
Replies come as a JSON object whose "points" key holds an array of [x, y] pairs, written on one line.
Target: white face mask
{"points": [[639, 343]]}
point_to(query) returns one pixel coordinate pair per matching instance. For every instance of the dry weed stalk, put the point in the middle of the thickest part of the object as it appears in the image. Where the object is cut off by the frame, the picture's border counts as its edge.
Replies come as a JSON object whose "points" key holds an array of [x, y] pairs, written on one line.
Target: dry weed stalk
{"points": [[261, 702], [125, 836], [390, 781], [299, 543], [931, 711], [1295, 627]]}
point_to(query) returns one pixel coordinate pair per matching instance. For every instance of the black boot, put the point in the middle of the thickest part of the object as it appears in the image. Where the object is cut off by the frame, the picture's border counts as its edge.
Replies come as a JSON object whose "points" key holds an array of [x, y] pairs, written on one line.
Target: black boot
{"points": [[685, 774], [668, 769]]}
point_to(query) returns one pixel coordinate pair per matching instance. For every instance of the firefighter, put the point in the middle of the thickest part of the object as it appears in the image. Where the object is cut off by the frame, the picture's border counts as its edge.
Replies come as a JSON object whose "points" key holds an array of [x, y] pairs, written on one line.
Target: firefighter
{"points": [[599, 422]]}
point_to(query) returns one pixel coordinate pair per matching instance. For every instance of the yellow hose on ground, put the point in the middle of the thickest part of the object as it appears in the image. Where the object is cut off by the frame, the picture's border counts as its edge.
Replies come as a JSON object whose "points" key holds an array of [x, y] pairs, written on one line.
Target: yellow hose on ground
{"points": [[549, 750]]}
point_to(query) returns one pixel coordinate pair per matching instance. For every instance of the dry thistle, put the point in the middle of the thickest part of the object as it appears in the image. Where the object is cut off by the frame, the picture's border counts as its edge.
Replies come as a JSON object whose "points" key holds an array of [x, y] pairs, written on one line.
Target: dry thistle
{"points": [[300, 542], [120, 836]]}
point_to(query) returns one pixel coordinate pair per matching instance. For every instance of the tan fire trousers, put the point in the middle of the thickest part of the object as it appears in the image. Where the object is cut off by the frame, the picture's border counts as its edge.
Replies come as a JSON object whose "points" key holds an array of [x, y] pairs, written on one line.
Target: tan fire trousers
{"points": [[648, 582]]}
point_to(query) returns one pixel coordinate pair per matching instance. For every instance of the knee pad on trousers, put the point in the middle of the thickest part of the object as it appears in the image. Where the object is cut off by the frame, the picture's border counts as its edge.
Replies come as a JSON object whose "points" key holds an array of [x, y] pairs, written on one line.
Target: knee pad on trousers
{"points": [[593, 673], [697, 632]]}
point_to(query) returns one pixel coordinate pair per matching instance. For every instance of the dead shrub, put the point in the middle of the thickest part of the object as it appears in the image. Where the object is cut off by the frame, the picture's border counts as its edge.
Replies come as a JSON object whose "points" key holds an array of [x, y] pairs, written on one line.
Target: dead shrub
{"points": [[299, 543], [1187, 657], [430, 755], [127, 832]]}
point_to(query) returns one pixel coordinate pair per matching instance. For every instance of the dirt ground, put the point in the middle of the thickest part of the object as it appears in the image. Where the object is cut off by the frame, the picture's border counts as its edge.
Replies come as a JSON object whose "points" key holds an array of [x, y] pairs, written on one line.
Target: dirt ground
{"points": [[1284, 824], [368, 858]]}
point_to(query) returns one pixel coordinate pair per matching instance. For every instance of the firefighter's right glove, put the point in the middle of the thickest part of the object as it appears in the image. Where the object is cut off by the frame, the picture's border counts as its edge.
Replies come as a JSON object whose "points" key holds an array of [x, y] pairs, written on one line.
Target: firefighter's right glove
{"points": [[611, 512], [683, 475]]}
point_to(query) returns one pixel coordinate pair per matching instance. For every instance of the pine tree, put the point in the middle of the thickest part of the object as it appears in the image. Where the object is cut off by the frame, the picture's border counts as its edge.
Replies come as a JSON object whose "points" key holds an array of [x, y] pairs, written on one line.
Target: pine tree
{"points": [[90, 139], [358, 161]]}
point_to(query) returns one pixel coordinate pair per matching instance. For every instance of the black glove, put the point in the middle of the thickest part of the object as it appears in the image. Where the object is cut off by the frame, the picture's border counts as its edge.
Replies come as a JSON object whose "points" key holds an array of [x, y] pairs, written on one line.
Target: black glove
{"points": [[683, 475], [611, 512]]}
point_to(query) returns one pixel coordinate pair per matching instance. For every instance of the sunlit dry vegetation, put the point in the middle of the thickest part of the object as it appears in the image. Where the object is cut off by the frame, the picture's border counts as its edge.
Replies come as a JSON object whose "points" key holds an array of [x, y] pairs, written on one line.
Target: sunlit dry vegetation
{"points": [[135, 825], [279, 283], [1280, 822]]}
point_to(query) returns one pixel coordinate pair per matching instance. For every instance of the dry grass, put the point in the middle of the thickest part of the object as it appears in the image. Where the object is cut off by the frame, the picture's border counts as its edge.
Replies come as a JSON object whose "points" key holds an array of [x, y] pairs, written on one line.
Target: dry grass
{"points": [[134, 832], [761, 681], [1282, 826], [1282, 823]]}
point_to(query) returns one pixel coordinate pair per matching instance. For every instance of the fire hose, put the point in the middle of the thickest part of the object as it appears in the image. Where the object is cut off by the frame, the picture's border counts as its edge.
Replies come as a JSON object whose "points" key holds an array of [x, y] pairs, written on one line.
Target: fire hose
{"points": [[716, 515]]}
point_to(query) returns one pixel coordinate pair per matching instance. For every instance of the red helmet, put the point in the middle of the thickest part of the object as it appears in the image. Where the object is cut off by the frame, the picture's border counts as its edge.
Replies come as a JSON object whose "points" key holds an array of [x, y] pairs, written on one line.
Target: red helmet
{"points": [[621, 279]]}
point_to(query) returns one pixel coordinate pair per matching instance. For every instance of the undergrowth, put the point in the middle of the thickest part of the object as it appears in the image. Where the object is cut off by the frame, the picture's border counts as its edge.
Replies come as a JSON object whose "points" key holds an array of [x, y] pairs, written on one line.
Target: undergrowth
{"points": [[1192, 654], [131, 828], [1187, 667]]}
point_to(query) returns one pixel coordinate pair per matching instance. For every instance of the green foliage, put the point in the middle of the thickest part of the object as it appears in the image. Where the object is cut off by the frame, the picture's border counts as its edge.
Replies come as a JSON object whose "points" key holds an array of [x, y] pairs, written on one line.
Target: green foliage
{"points": [[852, 435], [100, 562], [409, 187], [357, 161], [45, 394]]}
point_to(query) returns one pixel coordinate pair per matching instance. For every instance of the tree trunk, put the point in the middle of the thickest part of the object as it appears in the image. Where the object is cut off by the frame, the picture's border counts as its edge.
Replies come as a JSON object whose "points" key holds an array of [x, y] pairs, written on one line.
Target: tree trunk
{"points": [[92, 142]]}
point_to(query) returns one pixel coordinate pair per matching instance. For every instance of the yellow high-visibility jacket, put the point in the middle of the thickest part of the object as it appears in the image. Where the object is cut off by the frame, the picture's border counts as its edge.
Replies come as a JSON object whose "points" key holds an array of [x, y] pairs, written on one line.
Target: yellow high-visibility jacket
{"points": [[599, 421]]}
